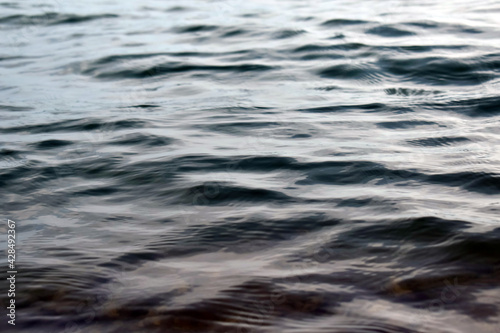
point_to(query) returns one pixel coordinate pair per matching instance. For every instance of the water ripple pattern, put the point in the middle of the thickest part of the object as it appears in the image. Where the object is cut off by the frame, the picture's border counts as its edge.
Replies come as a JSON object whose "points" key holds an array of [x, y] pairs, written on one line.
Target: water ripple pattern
{"points": [[250, 166]]}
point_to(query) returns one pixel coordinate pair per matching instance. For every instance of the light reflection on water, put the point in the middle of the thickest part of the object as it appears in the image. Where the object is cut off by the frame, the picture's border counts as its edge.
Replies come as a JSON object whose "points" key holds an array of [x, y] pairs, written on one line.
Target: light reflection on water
{"points": [[231, 166]]}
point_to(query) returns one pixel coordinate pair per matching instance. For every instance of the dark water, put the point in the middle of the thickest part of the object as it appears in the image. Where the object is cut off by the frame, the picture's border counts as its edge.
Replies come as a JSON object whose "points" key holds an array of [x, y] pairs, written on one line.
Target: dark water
{"points": [[250, 166]]}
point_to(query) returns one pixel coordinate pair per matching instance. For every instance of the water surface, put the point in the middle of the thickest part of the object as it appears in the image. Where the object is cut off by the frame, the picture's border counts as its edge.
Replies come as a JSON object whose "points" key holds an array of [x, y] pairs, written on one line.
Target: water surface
{"points": [[252, 166]]}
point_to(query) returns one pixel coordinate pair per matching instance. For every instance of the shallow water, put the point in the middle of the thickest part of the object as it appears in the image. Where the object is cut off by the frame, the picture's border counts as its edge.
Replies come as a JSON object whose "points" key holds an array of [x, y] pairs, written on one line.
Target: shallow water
{"points": [[251, 166]]}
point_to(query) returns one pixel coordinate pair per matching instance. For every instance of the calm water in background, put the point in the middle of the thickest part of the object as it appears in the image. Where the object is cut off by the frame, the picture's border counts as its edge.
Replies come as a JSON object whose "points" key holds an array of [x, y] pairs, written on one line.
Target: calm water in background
{"points": [[252, 166]]}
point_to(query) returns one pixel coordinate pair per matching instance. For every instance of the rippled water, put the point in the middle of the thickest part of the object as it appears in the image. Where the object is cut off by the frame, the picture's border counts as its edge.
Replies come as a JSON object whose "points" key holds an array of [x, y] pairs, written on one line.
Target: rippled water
{"points": [[250, 166]]}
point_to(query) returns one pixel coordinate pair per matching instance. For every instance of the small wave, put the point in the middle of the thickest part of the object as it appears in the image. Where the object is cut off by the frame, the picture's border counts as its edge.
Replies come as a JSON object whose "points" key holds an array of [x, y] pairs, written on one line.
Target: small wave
{"points": [[51, 144], [436, 71], [362, 72], [82, 124], [341, 47], [372, 107], [143, 140], [226, 193], [405, 124], [389, 31], [283, 34], [175, 68], [233, 33], [195, 28], [472, 107], [410, 92], [238, 128], [341, 22], [438, 142], [52, 19], [14, 108]]}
